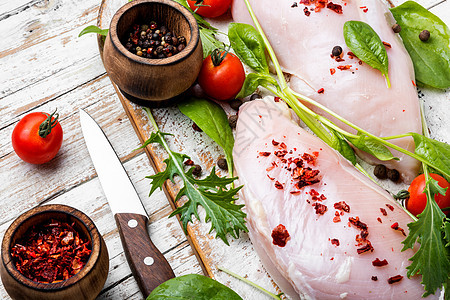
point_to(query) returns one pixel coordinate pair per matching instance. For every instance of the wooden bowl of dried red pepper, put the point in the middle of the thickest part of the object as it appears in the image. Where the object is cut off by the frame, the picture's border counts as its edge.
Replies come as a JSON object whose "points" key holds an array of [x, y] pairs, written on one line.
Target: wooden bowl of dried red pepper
{"points": [[53, 252], [142, 61]]}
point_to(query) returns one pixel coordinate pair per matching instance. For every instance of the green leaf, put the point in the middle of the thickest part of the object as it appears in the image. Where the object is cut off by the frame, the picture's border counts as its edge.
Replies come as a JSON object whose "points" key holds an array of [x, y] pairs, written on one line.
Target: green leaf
{"points": [[248, 44], [436, 152], [211, 118], [431, 59], [93, 29], [253, 80], [431, 260], [339, 143], [193, 286], [365, 43], [373, 147]]}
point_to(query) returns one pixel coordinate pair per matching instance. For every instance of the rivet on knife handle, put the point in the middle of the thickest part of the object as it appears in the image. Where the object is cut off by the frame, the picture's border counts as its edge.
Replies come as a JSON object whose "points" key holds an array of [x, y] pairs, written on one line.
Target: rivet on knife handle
{"points": [[148, 265]]}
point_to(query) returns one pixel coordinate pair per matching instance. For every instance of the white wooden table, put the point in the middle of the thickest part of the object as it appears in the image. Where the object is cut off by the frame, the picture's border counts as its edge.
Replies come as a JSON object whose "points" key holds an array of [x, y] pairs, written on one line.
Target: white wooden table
{"points": [[45, 65]]}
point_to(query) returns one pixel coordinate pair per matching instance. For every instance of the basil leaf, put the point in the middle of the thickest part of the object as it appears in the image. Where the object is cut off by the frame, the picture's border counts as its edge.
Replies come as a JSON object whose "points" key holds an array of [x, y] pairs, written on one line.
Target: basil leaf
{"points": [[340, 144], [248, 44], [193, 286], [93, 29], [436, 152], [373, 147], [431, 59], [211, 118], [252, 81], [365, 43]]}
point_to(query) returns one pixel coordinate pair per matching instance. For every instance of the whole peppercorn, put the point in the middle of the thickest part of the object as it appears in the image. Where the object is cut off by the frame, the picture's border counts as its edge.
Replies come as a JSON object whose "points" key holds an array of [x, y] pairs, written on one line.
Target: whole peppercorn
{"points": [[181, 40], [255, 96], [393, 175], [163, 30], [232, 120], [235, 104], [159, 49], [174, 41], [396, 28], [424, 35], [380, 172], [168, 39], [197, 170], [222, 163], [144, 27], [180, 47], [139, 53], [337, 51]]}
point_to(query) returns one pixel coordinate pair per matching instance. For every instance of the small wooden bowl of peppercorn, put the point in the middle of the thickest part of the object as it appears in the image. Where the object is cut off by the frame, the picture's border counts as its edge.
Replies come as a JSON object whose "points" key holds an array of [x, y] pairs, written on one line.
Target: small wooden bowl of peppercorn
{"points": [[53, 252], [153, 50]]}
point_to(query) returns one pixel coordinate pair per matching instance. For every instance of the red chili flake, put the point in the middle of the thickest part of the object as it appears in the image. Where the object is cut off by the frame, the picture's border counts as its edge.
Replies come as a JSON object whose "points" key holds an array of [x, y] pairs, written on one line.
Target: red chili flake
{"points": [[351, 55], [342, 206], [275, 143], [271, 178], [316, 153], [313, 192], [294, 5], [390, 207], [335, 7], [278, 185], [305, 2], [320, 208], [280, 153], [336, 219], [339, 59], [346, 67], [335, 242], [283, 145], [50, 252], [364, 234], [366, 248], [270, 168], [379, 220], [396, 227], [189, 162], [383, 211], [309, 158], [360, 62], [387, 44], [364, 8], [357, 223], [414, 84], [379, 263], [277, 99], [332, 71], [395, 279], [264, 153], [374, 278], [306, 11], [322, 197], [319, 5], [321, 91], [295, 192], [280, 235]]}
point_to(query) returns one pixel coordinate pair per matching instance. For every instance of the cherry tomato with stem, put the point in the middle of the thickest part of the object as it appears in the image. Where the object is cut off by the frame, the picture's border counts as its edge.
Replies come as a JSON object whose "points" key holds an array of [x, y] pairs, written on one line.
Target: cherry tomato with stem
{"points": [[418, 199], [37, 137], [209, 8], [222, 75]]}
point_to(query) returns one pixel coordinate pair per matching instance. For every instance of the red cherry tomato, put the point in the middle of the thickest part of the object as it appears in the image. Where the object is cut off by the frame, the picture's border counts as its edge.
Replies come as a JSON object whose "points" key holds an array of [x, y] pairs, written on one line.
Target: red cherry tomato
{"points": [[209, 8], [222, 75], [417, 199], [33, 141]]}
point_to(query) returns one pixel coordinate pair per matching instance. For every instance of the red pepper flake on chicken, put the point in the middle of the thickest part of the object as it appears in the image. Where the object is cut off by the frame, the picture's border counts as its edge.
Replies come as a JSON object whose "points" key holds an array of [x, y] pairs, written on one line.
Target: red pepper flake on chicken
{"points": [[280, 235]]}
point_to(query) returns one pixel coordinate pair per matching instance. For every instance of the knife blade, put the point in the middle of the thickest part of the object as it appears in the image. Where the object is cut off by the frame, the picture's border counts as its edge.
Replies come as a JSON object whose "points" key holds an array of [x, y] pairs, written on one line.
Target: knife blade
{"points": [[148, 265]]}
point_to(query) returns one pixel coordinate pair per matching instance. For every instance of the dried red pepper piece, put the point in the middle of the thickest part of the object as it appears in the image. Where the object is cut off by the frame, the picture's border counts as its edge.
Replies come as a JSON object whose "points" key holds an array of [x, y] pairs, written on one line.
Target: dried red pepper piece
{"points": [[395, 279], [280, 235], [379, 263], [335, 242], [342, 206], [383, 211]]}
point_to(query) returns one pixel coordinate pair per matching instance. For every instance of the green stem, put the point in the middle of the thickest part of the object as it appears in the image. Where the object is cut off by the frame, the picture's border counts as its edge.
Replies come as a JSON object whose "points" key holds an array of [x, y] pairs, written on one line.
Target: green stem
{"points": [[393, 137], [250, 283]]}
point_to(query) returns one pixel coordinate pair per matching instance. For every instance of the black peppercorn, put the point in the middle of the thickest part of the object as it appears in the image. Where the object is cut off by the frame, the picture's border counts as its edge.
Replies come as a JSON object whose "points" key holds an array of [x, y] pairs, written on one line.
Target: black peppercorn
{"points": [[222, 163], [174, 41], [396, 28], [424, 35], [181, 40], [255, 96], [180, 47], [393, 175], [163, 30], [232, 120], [380, 172], [197, 170], [337, 51], [168, 39], [235, 104]]}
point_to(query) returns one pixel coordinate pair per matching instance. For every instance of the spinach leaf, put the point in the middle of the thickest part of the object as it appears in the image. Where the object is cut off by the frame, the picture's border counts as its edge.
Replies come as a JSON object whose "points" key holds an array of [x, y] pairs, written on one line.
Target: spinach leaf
{"points": [[248, 44], [253, 80], [365, 43], [436, 152], [211, 118], [93, 29], [339, 143], [431, 59], [373, 147], [193, 286]]}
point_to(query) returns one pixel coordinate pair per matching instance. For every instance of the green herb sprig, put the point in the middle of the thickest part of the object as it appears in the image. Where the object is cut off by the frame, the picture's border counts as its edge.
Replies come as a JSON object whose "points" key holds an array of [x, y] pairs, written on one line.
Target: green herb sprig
{"points": [[211, 192]]}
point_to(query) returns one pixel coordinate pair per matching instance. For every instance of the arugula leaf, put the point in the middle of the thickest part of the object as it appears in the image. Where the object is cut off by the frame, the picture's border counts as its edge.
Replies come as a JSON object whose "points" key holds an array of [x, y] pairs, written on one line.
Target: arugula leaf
{"points": [[248, 44], [93, 29], [211, 192], [253, 80], [436, 152], [432, 259], [367, 46], [211, 118], [431, 59], [373, 147], [193, 286], [339, 143]]}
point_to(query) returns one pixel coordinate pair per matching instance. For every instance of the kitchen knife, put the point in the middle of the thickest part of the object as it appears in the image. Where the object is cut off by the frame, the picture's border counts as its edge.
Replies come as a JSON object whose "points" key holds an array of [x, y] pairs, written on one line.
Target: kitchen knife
{"points": [[147, 264]]}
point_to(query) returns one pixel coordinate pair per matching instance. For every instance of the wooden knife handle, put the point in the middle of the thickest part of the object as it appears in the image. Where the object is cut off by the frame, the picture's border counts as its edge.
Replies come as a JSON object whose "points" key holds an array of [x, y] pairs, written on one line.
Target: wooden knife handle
{"points": [[148, 265]]}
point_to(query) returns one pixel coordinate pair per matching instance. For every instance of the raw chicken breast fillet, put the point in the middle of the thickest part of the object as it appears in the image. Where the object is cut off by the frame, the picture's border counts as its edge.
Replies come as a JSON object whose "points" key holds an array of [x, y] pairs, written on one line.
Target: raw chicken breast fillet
{"points": [[303, 45], [339, 222]]}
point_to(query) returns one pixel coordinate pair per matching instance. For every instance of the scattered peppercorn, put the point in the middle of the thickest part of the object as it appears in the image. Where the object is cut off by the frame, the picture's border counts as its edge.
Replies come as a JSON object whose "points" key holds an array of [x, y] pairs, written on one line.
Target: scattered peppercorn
{"points": [[424, 35], [235, 104], [255, 96], [380, 171], [393, 175], [197, 170], [396, 28], [222, 163], [232, 120], [337, 51], [196, 128]]}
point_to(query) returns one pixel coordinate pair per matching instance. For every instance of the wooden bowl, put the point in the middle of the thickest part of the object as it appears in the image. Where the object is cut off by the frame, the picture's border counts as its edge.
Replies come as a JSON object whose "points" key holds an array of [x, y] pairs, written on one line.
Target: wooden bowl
{"points": [[153, 79], [86, 284]]}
